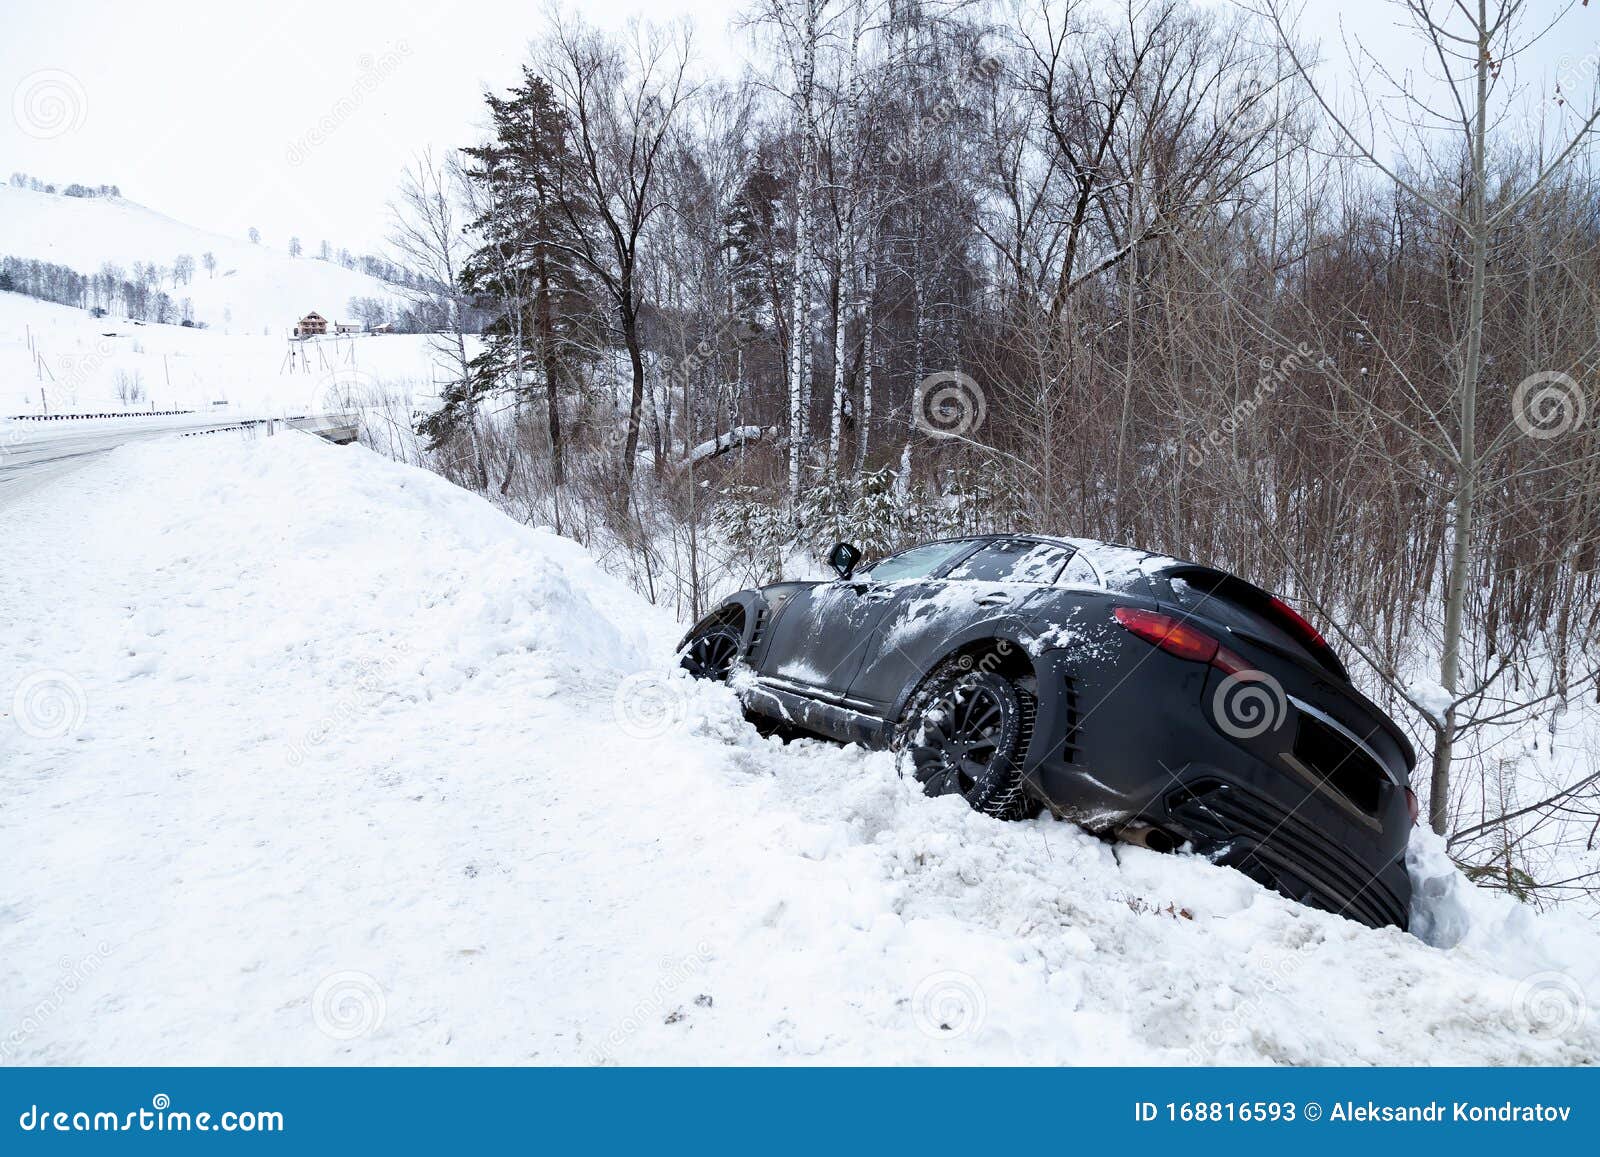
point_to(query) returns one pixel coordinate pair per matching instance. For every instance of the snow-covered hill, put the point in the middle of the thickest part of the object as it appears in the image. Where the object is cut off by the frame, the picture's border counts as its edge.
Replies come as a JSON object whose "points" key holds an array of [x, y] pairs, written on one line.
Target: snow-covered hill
{"points": [[316, 758], [256, 289], [57, 359]]}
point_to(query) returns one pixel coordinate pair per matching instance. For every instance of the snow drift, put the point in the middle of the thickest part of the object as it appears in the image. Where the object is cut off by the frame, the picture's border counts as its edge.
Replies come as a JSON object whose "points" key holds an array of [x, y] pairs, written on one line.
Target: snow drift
{"points": [[318, 759]]}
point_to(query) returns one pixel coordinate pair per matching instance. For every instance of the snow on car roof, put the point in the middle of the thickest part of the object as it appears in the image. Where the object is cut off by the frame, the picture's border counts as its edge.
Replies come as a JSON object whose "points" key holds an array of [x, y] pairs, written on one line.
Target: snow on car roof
{"points": [[1120, 566]]}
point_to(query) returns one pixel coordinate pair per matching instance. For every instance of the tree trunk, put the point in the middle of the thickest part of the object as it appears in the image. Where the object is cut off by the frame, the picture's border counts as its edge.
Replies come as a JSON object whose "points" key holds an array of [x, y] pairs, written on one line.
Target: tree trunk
{"points": [[1460, 564], [836, 412], [864, 418], [630, 338], [547, 350], [799, 330]]}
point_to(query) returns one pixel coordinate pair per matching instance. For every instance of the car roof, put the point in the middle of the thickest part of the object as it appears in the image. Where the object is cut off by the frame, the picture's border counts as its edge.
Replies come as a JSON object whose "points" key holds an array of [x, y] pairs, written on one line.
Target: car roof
{"points": [[1119, 567]]}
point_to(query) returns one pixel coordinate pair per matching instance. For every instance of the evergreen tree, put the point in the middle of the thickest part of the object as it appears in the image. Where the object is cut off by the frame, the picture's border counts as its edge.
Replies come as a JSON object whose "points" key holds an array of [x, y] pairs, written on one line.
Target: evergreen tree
{"points": [[540, 300]]}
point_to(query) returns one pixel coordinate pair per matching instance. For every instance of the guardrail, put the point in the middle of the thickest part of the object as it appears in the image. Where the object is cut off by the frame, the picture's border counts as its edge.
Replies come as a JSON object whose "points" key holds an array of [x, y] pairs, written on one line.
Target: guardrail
{"points": [[241, 424], [106, 414], [340, 429]]}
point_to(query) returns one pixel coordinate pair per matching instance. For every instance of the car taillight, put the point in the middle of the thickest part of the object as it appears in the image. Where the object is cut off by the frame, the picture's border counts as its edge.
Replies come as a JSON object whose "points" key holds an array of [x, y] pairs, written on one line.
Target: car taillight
{"points": [[1179, 638], [1296, 622], [1412, 806]]}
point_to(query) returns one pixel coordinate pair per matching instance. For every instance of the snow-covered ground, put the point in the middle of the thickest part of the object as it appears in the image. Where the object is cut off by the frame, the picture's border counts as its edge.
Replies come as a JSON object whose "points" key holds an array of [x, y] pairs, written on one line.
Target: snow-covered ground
{"points": [[314, 758], [56, 359], [255, 289]]}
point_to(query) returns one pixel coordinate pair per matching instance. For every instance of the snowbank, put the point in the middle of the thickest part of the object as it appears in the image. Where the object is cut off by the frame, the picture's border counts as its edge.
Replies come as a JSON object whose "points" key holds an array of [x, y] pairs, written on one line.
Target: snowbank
{"points": [[318, 759]]}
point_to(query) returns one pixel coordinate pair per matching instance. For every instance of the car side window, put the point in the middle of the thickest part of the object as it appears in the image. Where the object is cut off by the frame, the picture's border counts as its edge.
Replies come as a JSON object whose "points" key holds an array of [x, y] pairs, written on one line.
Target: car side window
{"points": [[1015, 561], [1079, 573], [918, 562]]}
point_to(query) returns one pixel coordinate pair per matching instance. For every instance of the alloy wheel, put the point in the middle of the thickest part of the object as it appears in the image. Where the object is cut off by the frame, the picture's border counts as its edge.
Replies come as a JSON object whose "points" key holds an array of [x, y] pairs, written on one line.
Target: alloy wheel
{"points": [[711, 655], [959, 739]]}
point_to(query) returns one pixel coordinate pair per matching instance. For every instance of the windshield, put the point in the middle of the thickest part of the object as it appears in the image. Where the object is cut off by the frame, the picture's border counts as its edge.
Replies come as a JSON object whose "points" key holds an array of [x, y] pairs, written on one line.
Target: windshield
{"points": [[918, 562]]}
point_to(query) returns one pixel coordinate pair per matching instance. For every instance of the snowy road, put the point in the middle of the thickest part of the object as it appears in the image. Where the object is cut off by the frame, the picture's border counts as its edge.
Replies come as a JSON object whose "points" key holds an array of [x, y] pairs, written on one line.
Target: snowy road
{"points": [[310, 757], [34, 453]]}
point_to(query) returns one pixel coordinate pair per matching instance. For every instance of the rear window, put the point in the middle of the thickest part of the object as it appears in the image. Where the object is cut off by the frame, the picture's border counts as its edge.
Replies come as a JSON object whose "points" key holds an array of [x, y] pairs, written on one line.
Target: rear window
{"points": [[1014, 561], [1240, 610]]}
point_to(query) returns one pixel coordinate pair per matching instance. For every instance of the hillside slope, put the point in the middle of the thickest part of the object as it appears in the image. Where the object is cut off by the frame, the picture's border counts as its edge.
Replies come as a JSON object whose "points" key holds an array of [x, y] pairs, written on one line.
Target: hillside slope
{"points": [[319, 759], [56, 359], [255, 290]]}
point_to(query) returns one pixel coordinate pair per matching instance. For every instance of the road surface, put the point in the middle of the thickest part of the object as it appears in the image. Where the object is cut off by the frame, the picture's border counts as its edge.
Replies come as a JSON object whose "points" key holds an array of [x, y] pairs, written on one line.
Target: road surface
{"points": [[34, 453]]}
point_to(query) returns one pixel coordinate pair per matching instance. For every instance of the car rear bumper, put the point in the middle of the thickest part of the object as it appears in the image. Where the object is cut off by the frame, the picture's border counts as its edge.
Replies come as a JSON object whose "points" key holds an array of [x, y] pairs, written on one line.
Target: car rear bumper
{"points": [[1273, 845], [1134, 753]]}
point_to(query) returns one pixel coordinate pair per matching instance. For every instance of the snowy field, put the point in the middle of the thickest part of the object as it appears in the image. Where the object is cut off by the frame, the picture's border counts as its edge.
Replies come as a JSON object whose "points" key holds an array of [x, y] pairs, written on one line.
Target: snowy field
{"points": [[314, 758], [255, 289], [86, 360]]}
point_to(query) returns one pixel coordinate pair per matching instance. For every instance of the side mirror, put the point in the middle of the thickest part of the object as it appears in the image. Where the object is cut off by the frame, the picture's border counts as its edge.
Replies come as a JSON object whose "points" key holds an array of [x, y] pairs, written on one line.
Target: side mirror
{"points": [[843, 558]]}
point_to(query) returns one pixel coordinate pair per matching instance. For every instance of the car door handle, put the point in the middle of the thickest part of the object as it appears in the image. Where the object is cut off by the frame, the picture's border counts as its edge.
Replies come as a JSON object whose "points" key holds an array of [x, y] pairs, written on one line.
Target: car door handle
{"points": [[991, 600], [870, 592]]}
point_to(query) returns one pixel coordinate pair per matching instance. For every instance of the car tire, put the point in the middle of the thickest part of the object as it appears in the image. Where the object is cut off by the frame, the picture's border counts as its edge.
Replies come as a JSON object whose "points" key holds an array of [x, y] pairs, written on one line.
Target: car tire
{"points": [[711, 650], [965, 732]]}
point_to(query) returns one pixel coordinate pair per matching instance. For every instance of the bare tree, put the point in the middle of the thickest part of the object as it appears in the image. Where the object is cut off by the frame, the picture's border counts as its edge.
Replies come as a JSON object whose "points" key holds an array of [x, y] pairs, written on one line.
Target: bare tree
{"points": [[428, 240], [622, 99], [1469, 43]]}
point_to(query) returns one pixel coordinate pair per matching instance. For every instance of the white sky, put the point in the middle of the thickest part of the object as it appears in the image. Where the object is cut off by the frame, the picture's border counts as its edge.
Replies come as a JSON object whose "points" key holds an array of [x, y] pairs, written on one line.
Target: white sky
{"points": [[201, 109], [194, 107]]}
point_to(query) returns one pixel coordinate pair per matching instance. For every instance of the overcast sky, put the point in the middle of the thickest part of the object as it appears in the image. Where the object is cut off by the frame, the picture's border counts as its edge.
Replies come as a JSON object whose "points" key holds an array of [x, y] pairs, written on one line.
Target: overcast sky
{"points": [[214, 113]]}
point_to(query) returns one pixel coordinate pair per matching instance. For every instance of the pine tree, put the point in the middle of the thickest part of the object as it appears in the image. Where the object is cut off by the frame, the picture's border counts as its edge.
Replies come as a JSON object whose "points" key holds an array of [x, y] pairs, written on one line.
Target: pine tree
{"points": [[541, 300]]}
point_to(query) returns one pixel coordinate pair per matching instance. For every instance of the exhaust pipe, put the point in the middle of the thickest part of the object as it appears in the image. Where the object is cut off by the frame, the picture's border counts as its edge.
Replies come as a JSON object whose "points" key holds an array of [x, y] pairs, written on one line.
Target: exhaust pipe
{"points": [[1146, 836]]}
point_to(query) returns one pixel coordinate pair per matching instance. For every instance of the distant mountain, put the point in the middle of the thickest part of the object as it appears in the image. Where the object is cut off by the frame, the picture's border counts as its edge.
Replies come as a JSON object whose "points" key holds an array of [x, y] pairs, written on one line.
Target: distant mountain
{"points": [[253, 288]]}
